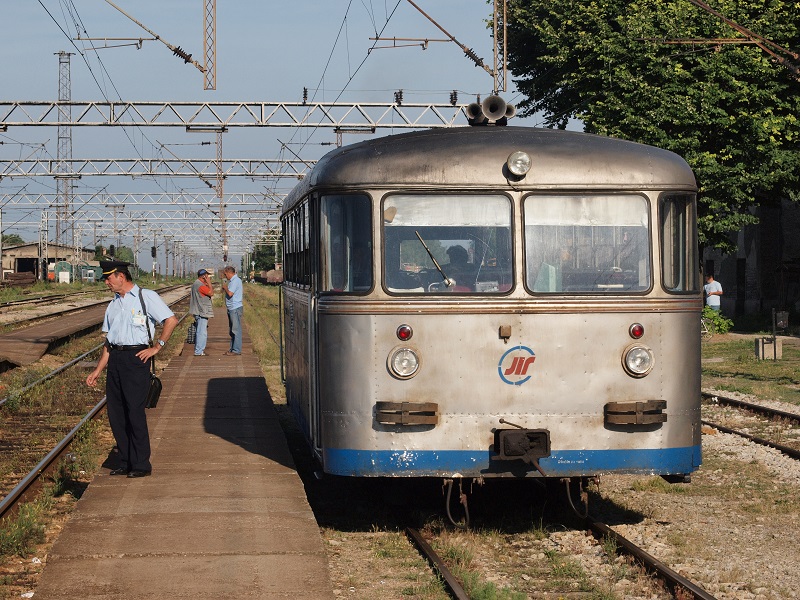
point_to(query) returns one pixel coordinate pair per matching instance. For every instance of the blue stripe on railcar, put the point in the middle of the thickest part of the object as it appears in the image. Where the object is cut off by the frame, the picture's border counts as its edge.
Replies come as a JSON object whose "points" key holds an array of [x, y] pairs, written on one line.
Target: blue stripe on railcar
{"points": [[562, 463]]}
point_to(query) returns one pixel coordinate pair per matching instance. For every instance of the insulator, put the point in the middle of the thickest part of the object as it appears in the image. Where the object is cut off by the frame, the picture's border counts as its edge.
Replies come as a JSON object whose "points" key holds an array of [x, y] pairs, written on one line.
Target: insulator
{"points": [[305, 95], [454, 97], [179, 52], [398, 97], [473, 57]]}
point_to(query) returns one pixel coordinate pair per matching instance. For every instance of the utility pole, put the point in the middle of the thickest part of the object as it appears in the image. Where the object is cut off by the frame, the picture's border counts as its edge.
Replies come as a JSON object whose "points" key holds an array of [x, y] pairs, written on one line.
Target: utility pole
{"points": [[221, 196], [210, 43], [155, 250], [64, 151], [43, 227], [500, 70]]}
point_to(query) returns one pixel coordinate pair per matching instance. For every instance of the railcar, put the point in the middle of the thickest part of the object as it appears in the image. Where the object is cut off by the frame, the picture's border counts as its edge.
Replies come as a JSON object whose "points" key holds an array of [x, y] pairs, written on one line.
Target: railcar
{"points": [[494, 301]]}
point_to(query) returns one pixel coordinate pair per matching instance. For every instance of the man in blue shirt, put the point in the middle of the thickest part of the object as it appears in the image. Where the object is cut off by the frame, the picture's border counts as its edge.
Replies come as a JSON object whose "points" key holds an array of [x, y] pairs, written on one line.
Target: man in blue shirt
{"points": [[127, 353], [233, 302]]}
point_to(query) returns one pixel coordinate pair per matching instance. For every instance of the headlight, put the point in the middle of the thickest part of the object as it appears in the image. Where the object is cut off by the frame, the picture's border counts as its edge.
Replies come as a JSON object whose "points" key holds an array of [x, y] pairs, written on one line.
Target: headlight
{"points": [[638, 361], [519, 163], [403, 363]]}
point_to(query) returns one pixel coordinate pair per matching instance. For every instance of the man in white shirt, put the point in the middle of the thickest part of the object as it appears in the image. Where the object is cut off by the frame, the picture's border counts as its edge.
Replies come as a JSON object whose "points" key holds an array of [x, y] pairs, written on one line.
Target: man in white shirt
{"points": [[713, 290]]}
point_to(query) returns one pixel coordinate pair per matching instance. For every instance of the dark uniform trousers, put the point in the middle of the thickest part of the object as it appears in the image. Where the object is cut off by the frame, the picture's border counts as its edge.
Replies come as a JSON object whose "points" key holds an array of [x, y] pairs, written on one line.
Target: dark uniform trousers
{"points": [[127, 381]]}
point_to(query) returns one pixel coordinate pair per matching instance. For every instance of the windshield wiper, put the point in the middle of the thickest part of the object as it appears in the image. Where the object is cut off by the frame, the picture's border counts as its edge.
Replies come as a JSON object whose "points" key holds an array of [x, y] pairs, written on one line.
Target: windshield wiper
{"points": [[447, 281]]}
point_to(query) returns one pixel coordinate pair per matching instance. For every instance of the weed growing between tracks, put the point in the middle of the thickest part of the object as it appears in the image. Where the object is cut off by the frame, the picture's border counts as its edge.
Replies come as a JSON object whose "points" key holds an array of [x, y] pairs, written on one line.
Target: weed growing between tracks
{"points": [[19, 535]]}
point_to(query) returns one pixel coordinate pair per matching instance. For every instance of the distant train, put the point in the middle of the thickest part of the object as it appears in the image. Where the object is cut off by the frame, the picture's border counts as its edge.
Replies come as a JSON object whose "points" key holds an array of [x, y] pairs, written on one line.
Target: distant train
{"points": [[495, 301]]}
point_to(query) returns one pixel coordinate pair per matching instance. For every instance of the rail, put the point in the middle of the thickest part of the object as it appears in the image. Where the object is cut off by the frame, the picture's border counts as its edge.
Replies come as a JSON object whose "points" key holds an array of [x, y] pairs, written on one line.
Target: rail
{"points": [[679, 586], [453, 587], [18, 493]]}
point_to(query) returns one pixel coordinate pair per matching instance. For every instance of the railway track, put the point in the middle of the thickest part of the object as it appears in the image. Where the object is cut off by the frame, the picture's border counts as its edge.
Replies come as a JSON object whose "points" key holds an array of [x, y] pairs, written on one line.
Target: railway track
{"points": [[45, 299], [679, 586], [42, 303], [785, 418], [32, 422], [29, 484]]}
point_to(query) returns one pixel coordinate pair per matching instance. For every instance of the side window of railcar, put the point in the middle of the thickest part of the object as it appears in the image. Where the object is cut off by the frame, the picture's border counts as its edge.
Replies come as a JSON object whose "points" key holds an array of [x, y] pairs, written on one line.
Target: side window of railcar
{"points": [[679, 251], [598, 244], [346, 243], [297, 261], [447, 244]]}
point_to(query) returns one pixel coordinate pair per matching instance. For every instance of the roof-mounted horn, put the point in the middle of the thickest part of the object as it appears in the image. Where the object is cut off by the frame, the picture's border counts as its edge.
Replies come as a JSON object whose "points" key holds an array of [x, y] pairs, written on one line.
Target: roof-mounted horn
{"points": [[492, 111]]}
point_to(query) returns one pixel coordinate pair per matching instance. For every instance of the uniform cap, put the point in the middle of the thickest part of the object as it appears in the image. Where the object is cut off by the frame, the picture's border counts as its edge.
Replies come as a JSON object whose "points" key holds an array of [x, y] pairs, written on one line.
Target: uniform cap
{"points": [[202, 272], [113, 266]]}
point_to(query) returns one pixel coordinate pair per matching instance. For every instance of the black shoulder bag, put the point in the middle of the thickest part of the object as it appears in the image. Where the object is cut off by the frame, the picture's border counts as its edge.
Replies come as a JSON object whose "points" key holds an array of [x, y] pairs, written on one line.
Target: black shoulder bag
{"points": [[154, 390]]}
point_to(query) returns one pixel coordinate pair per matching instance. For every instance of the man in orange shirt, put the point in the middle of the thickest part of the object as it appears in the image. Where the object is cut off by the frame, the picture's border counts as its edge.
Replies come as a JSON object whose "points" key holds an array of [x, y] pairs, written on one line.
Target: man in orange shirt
{"points": [[200, 306]]}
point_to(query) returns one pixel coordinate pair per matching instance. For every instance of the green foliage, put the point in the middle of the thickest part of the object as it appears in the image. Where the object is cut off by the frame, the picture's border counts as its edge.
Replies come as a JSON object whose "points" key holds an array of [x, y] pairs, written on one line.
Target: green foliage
{"points": [[264, 255], [85, 450], [729, 110], [717, 322], [20, 534], [12, 239]]}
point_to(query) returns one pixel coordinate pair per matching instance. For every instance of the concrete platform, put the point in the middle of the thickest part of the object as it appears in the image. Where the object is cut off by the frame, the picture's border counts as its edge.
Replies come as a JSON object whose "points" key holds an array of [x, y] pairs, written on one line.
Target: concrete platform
{"points": [[224, 514]]}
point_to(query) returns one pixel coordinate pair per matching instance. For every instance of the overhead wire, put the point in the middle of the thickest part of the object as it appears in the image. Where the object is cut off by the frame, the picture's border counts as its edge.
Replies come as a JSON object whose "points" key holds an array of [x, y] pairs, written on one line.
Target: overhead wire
{"points": [[77, 22]]}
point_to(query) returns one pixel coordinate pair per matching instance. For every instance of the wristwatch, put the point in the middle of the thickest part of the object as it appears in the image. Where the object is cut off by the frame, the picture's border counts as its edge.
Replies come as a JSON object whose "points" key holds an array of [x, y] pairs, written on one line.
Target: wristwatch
{"points": [[161, 343]]}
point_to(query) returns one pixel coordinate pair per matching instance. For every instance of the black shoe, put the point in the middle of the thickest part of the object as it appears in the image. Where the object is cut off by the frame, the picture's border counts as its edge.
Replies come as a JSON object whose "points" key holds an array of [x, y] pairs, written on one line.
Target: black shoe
{"points": [[119, 471], [138, 473]]}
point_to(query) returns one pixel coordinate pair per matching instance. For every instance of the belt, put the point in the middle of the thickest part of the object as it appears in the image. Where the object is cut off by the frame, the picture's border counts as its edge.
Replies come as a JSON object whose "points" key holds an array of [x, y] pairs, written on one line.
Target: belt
{"points": [[136, 347]]}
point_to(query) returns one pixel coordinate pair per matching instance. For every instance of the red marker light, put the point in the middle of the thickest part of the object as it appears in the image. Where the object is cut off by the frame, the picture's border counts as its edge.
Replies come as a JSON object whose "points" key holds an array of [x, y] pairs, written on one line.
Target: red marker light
{"points": [[404, 333], [636, 330]]}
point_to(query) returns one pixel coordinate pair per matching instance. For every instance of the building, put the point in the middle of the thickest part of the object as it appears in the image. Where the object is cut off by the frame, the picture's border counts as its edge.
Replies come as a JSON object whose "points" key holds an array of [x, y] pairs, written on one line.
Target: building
{"points": [[24, 258], [764, 273]]}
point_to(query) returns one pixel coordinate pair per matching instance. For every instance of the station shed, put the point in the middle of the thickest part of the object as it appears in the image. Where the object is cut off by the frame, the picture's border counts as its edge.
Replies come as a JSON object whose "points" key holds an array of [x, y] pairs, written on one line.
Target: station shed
{"points": [[26, 258]]}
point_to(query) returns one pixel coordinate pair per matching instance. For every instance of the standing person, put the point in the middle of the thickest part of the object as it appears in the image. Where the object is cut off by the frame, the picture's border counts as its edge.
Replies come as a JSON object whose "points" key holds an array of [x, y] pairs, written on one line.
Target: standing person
{"points": [[713, 290], [233, 302], [200, 306], [127, 353]]}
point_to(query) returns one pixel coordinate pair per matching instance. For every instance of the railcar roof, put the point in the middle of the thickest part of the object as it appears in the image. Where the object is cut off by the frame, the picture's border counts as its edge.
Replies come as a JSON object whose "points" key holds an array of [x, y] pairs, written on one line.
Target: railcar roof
{"points": [[473, 157]]}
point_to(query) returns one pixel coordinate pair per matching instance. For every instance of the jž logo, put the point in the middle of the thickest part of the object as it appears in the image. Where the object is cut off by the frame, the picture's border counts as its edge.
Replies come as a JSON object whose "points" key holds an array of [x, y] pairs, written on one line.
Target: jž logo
{"points": [[514, 364]]}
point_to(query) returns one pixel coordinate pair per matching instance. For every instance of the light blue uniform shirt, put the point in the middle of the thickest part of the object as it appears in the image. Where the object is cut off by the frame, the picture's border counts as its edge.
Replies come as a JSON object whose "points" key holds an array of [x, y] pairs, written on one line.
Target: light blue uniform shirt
{"points": [[125, 322], [235, 288]]}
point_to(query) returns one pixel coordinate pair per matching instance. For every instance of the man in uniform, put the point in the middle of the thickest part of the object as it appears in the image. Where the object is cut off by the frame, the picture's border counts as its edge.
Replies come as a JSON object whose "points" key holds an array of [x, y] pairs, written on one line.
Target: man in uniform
{"points": [[127, 354], [201, 307]]}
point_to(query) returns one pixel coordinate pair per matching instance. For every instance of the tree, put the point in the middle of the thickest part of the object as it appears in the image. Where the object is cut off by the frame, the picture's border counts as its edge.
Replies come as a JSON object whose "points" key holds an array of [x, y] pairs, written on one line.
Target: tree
{"points": [[124, 253], [12, 239], [730, 110], [264, 255]]}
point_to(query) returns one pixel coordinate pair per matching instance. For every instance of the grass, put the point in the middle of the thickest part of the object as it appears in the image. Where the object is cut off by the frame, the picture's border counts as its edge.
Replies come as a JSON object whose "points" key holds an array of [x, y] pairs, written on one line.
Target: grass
{"points": [[262, 321], [730, 364], [20, 534]]}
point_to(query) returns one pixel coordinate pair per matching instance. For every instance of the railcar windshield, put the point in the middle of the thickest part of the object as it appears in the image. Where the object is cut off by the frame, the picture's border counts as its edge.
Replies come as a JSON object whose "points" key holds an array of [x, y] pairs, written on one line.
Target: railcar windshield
{"points": [[447, 244], [594, 243]]}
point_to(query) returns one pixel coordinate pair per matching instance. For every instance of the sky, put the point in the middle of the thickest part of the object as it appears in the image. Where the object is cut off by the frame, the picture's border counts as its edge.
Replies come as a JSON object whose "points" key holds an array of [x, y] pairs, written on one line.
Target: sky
{"points": [[266, 51]]}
